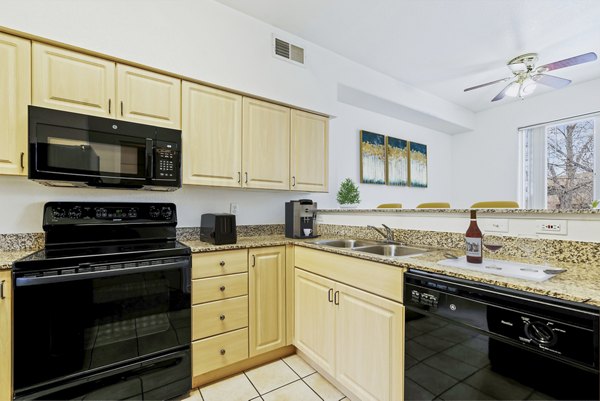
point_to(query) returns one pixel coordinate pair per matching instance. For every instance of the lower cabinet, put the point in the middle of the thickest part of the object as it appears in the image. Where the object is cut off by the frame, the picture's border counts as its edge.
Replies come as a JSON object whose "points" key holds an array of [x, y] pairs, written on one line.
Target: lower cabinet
{"points": [[6, 335], [354, 336], [267, 299], [238, 306]]}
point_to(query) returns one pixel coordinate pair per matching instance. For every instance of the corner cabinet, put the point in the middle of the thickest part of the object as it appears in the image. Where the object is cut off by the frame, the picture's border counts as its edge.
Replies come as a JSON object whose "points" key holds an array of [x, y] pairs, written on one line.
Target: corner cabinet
{"points": [[354, 336], [6, 384], [267, 299], [148, 98], [67, 80], [309, 152], [15, 71], [211, 136], [265, 145]]}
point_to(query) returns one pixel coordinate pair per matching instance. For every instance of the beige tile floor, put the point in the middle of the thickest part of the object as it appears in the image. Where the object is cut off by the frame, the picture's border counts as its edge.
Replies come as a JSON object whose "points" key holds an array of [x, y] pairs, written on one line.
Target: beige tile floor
{"points": [[287, 379]]}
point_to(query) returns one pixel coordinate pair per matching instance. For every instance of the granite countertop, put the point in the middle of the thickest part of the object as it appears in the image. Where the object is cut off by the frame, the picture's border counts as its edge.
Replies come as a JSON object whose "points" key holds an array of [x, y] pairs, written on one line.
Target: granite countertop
{"points": [[459, 211], [579, 283]]}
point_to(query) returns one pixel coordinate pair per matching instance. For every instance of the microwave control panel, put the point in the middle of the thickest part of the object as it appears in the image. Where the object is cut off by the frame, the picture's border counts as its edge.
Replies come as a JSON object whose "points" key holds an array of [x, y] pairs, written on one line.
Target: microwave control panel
{"points": [[165, 162]]}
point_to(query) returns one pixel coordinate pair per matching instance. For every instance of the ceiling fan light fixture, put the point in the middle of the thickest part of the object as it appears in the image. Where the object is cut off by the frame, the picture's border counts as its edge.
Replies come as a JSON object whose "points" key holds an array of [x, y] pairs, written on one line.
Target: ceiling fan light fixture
{"points": [[512, 90], [527, 87]]}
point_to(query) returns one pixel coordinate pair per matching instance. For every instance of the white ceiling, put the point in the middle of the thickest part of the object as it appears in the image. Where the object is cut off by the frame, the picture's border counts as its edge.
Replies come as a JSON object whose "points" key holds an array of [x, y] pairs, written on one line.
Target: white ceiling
{"points": [[443, 46]]}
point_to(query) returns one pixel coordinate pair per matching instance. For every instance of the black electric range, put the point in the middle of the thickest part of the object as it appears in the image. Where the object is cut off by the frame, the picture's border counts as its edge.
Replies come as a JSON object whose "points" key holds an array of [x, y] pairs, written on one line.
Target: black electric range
{"points": [[104, 311]]}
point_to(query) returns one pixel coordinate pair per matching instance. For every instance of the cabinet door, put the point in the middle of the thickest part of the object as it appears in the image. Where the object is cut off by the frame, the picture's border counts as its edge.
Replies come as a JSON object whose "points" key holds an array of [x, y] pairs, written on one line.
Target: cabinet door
{"points": [[212, 136], [309, 152], [369, 344], [267, 299], [148, 98], [315, 319], [6, 335], [266, 145], [15, 68], [71, 81]]}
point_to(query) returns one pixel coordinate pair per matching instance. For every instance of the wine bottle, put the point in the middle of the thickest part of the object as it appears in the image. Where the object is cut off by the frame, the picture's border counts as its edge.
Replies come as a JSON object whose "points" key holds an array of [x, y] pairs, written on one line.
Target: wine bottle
{"points": [[473, 241]]}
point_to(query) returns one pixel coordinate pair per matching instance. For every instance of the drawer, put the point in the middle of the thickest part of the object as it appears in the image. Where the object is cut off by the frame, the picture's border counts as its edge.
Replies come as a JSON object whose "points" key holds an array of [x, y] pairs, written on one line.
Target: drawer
{"points": [[219, 317], [219, 263], [220, 287], [219, 351]]}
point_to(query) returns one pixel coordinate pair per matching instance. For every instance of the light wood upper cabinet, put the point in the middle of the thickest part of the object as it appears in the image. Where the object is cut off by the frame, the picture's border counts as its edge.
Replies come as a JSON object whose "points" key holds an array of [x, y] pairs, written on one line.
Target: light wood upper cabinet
{"points": [[315, 319], [15, 96], [266, 145], [267, 299], [309, 152], [212, 136], [148, 98], [71, 81], [369, 345], [6, 335]]}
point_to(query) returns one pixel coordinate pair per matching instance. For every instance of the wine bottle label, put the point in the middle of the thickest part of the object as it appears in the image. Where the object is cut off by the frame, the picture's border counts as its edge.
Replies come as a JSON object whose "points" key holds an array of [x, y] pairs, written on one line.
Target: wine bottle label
{"points": [[473, 246]]}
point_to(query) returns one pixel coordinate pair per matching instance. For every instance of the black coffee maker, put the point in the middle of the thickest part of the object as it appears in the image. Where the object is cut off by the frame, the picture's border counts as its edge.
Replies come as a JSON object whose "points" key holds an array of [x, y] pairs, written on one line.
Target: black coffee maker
{"points": [[300, 219]]}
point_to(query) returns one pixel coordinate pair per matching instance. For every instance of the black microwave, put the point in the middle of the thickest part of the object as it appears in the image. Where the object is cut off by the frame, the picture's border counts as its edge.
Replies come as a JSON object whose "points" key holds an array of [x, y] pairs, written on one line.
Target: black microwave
{"points": [[70, 149]]}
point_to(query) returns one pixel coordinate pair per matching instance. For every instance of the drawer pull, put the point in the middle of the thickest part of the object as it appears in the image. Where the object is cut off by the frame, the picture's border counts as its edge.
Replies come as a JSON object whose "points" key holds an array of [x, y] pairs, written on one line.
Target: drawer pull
{"points": [[222, 288], [222, 351], [222, 317], [222, 263]]}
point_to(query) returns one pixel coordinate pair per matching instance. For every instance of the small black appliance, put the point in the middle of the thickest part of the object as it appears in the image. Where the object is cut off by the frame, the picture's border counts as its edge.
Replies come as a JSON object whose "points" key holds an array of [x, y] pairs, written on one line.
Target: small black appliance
{"points": [[300, 219], [218, 228], [70, 149]]}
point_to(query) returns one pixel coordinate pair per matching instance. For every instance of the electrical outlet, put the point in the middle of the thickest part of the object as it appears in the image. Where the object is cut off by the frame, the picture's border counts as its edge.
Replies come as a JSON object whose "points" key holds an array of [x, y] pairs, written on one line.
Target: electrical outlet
{"points": [[552, 227], [234, 208], [494, 225]]}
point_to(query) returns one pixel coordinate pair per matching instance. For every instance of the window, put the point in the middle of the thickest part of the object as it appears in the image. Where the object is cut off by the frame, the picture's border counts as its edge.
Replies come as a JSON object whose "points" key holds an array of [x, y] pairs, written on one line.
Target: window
{"points": [[559, 164]]}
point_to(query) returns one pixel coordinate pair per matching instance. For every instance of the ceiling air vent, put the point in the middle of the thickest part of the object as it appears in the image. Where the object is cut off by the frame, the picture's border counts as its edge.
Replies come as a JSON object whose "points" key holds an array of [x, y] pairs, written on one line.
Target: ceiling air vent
{"points": [[288, 51]]}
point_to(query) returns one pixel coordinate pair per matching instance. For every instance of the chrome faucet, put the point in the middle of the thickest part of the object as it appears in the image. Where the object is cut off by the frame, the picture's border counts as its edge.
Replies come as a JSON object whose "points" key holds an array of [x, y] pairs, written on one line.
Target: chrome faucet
{"points": [[388, 235]]}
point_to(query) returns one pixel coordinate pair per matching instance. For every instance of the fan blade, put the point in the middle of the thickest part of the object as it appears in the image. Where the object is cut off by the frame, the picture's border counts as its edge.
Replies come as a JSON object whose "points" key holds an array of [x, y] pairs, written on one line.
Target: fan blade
{"points": [[488, 83], [568, 62], [551, 80], [502, 94]]}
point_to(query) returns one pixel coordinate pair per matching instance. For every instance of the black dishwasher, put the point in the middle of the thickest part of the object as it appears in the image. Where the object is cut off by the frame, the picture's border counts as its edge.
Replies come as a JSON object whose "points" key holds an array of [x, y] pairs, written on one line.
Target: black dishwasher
{"points": [[468, 341]]}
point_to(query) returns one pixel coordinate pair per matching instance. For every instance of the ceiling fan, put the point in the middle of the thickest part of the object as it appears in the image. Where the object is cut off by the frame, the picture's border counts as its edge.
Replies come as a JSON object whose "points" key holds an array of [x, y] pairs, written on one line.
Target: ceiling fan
{"points": [[526, 75]]}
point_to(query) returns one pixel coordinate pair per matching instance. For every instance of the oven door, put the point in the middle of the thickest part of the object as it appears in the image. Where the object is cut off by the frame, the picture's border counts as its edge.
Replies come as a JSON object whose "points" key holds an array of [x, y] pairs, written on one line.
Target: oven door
{"points": [[450, 361], [83, 323]]}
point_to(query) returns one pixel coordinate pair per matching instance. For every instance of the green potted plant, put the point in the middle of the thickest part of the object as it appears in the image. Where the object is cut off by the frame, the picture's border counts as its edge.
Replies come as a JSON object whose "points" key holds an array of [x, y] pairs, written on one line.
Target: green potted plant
{"points": [[348, 195]]}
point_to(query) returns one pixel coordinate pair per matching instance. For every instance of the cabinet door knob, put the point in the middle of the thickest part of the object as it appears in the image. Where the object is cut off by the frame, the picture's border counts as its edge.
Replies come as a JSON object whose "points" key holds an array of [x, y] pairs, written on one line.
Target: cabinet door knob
{"points": [[336, 298], [222, 317], [294, 181], [222, 288], [222, 263], [239, 177], [330, 295], [246, 174], [22, 160], [222, 351]]}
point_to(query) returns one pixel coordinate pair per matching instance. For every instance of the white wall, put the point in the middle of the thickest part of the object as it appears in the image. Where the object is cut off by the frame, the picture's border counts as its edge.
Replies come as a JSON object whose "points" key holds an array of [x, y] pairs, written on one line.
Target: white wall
{"points": [[211, 42], [486, 160]]}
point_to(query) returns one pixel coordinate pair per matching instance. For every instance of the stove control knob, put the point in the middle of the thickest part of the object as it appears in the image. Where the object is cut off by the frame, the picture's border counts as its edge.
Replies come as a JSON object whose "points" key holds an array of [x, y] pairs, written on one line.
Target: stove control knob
{"points": [[58, 212], [540, 333], [75, 213], [166, 212], [154, 212], [132, 213]]}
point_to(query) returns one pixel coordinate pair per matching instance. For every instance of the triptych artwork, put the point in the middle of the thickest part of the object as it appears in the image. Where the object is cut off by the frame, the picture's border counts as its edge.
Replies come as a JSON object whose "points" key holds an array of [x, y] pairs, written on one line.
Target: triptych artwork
{"points": [[392, 161]]}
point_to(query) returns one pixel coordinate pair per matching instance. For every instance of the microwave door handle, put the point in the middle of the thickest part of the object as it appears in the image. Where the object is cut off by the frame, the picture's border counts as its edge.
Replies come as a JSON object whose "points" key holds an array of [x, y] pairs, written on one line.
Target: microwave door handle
{"points": [[149, 158]]}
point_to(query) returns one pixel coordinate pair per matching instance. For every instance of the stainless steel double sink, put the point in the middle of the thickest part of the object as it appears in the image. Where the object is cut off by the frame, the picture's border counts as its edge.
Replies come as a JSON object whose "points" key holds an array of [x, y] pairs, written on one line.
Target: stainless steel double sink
{"points": [[373, 247]]}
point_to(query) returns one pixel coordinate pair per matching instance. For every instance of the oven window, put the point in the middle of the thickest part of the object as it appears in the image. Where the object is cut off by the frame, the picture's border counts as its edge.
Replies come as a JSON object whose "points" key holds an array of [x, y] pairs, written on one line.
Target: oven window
{"points": [[452, 362], [66, 328], [85, 152]]}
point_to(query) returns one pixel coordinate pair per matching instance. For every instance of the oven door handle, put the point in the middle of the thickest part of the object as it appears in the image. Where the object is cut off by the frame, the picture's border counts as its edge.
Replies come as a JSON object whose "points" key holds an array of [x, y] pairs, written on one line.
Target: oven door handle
{"points": [[29, 281]]}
